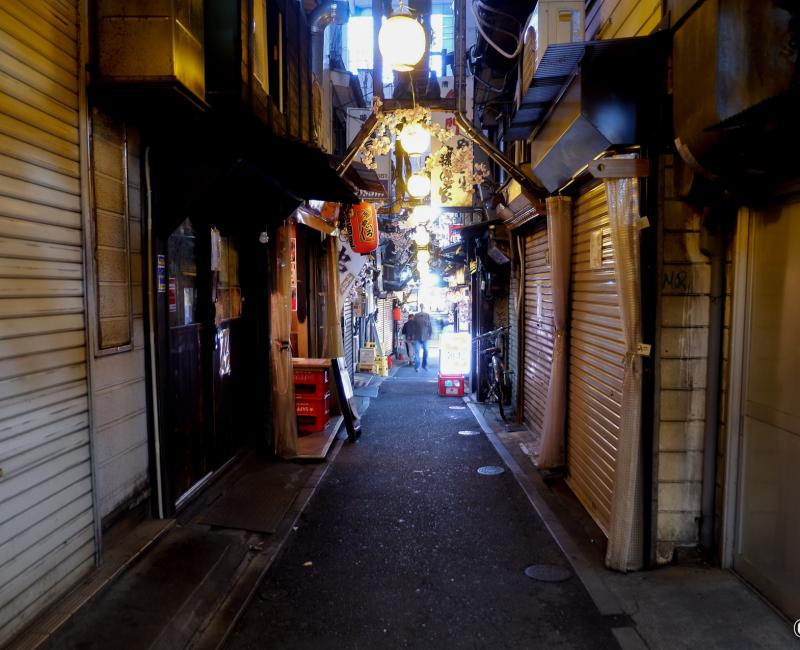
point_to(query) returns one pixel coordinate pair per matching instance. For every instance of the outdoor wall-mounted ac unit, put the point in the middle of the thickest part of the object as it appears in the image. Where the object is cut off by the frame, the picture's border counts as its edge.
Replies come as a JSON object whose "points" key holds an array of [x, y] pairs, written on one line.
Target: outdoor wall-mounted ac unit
{"points": [[552, 21], [152, 42]]}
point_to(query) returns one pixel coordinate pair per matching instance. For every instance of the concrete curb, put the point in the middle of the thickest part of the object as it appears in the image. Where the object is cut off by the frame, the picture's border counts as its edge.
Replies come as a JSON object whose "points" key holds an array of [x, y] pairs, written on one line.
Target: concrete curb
{"points": [[215, 633], [606, 602]]}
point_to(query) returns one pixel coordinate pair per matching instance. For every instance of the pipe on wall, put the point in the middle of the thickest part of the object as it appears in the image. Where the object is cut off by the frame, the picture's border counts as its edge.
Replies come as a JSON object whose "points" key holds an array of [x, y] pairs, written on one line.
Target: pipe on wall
{"points": [[328, 13]]}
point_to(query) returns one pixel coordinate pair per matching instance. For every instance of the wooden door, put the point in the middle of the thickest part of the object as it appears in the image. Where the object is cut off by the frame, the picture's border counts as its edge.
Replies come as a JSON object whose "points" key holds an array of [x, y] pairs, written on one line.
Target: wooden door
{"points": [[182, 338]]}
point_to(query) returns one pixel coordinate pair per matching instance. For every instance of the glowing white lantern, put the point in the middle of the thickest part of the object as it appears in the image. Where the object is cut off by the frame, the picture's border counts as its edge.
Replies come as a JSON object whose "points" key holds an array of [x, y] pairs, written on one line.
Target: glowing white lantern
{"points": [[401, 41], [422, 214], [415, 138], [419, 185], [421, 237]]}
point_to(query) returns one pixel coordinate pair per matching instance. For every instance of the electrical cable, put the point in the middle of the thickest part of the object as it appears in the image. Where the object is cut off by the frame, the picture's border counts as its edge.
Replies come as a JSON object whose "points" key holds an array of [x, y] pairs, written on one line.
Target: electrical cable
{"points": [[479, 23]]}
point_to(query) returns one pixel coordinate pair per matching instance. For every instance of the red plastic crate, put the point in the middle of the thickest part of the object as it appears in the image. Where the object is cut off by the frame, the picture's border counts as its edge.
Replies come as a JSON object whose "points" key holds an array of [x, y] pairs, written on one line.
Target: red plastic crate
{"points": [[451, 385], [311, 382], [313, 413]]}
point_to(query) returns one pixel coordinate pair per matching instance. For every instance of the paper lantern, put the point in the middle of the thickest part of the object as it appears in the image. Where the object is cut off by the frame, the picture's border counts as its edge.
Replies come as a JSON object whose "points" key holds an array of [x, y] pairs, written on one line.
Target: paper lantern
{"points": [[422, 214], [364, 227], [402, 41], [419, 185], [421, 237], [415, 138]]}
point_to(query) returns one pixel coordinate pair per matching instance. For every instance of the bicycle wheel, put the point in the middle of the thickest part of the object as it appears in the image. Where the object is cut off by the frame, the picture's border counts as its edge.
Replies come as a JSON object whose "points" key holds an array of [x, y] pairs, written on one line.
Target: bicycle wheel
{"points": [[501, 398]]}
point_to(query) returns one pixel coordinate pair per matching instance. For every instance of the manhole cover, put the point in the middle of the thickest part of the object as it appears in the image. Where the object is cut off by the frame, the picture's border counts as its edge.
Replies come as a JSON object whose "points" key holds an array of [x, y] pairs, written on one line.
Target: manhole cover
{"points": [[469, 433], [548, 572], [457, 408], [490, 470]]}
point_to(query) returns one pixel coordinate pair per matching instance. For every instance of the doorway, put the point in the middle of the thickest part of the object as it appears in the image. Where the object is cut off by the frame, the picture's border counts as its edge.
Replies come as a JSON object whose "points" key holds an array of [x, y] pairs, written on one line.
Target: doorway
{"points": [[768, 516]]}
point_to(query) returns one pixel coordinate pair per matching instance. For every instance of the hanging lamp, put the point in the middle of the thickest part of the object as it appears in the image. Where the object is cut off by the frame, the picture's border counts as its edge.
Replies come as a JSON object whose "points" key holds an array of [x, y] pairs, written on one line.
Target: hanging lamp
{"points": [[401, 40], [415, 138], [418, 185]]}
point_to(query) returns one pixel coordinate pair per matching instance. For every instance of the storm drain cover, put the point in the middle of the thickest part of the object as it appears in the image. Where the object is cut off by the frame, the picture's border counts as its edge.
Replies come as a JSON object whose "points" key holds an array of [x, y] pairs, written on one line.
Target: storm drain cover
{"points": [[548, 572], [457, 408], [490, 470], [469, 433]]}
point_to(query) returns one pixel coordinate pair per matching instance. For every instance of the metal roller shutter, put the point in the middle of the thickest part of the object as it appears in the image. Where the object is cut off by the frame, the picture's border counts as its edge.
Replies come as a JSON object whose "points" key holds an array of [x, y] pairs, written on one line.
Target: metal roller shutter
{"points": [[384, 324], [538, 344], [347, 335], [47, 535], [513, 335], [596, 354]]}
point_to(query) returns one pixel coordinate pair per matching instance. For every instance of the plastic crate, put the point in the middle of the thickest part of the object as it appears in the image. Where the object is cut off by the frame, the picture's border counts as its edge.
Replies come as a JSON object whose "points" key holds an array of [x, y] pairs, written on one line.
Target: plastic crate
{"points": [[313, 413], [451, 385], [311, 382]]}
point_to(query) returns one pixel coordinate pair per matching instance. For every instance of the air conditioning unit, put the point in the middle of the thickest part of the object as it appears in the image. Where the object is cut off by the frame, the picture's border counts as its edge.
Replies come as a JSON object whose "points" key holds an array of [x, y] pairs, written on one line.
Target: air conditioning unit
{"points": [[552, 21]]}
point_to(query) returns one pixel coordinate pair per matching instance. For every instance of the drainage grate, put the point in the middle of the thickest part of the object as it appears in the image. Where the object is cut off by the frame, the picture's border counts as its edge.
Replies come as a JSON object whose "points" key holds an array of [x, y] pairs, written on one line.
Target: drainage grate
{"points": [[469, 433], [490, 470], [548, 572]]}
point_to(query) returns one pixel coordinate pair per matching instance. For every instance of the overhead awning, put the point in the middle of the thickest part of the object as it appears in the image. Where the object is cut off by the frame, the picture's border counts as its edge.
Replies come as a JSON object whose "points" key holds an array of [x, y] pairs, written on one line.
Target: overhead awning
{"points": [[585, 98], [363, 179], [311, 219], [303, 172]]}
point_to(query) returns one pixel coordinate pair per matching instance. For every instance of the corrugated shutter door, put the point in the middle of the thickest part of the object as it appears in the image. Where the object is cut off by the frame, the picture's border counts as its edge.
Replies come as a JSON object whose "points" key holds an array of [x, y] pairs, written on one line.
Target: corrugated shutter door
{"points": [[384, 324], [595, 361], [538, 345], [513, 335], [46, 517], [347, 334]]}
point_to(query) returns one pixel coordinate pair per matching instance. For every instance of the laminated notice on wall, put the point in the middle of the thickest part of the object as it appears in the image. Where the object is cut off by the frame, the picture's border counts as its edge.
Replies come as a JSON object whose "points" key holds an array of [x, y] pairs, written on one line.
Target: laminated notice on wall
{"points": [[224, 347], [596, 250], [161, 273]]}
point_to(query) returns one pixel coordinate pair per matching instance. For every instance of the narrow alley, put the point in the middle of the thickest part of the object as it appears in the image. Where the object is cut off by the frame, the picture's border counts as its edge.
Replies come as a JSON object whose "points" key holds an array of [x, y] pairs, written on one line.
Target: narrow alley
{"points": [[406, 545]]}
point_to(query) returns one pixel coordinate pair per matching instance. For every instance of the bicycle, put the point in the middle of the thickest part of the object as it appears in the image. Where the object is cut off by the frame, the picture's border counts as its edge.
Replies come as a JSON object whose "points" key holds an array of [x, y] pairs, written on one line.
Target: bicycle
{"points": [[499, 387]]}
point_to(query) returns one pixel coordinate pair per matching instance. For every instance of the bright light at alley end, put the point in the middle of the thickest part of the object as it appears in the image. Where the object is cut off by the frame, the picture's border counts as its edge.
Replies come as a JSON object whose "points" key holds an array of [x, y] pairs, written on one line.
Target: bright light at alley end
{"points": [[419, 185], [415, 138], [402, 41], [454, 353], [421, 237]]}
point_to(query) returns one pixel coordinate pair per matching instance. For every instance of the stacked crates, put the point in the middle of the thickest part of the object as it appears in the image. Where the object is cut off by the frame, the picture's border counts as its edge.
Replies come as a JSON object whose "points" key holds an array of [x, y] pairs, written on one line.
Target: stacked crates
{"points": [[312, 399]]}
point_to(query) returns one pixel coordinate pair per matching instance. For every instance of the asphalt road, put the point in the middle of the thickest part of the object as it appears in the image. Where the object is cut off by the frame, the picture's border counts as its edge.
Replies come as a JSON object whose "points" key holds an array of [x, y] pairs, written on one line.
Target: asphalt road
{"points": [[405, 545]]}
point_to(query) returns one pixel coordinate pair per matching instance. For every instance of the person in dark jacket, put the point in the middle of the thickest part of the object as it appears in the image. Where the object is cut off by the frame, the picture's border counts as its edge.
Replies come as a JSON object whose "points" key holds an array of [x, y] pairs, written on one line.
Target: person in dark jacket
{"points": [[409, 334], [423, 334]]}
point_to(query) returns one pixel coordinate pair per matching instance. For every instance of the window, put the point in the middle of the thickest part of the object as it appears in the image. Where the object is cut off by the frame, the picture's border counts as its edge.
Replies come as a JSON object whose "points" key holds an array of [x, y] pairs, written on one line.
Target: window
{"points": [[260, 62], [114, 220]]}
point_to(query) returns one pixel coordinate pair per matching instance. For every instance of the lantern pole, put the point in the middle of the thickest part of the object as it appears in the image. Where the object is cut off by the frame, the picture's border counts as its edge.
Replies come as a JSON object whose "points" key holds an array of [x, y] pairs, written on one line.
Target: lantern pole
{"points": [[377, 57]]}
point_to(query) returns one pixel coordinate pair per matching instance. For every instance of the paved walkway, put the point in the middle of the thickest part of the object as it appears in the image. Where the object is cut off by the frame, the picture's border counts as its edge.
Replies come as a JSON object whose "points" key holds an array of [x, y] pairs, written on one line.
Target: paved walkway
{"points": [[405, 545]]}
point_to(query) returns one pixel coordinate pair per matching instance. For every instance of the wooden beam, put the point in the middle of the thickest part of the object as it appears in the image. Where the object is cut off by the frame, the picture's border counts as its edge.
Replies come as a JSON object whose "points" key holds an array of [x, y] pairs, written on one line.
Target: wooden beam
{"points": [[619, 167]]}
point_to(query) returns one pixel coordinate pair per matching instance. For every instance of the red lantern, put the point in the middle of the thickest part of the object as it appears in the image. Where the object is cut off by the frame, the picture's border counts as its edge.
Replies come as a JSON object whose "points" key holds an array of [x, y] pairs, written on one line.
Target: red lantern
{"points": [[364, 227]]}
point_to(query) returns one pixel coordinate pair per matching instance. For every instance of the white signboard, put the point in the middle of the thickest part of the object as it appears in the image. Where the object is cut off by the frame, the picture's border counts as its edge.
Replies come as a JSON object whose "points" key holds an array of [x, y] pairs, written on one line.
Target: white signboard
{"points": [[455, 353], [350, 265], [459, 194]]}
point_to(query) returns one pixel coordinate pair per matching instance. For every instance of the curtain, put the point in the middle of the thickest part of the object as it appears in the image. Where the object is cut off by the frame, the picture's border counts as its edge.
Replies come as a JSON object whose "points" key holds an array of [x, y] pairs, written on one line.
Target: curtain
{"points": [[559, 236], [333, 346], [284, 416], [624, 551]]}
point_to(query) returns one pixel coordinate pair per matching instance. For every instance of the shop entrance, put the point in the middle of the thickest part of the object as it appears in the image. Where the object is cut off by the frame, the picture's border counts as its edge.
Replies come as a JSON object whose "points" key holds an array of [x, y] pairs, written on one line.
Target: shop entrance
{"points": [[200, 357]]}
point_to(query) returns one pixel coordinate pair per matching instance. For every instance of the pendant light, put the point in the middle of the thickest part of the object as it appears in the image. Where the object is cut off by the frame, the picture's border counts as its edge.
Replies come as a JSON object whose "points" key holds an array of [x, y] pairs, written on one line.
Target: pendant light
{"points": [[419, 185], [421, 237], [401, 40], [415, 138]]}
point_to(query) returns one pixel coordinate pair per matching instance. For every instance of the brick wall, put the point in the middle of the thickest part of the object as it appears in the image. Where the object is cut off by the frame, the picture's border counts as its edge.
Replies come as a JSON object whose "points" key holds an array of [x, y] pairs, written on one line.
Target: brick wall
{"points": [[682, 349]]}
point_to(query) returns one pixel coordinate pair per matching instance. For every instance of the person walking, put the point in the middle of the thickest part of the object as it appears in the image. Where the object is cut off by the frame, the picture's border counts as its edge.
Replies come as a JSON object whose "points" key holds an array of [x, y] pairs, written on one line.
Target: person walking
{"points": [[423, 334], [408, 331]]}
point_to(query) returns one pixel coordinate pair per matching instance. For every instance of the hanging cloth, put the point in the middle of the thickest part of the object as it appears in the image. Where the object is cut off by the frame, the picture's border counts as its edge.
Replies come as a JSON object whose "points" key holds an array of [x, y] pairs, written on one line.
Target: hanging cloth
{"points": [[625, 543], [284, 416], [559, 236]]}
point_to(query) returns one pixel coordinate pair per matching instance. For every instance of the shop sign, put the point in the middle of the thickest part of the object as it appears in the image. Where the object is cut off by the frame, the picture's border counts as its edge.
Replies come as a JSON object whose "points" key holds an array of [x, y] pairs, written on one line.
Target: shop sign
{"points": [[455, 353], [161, 274], [293, 267], [350, 265], [173, 294], [459, 194]]}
